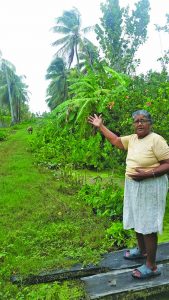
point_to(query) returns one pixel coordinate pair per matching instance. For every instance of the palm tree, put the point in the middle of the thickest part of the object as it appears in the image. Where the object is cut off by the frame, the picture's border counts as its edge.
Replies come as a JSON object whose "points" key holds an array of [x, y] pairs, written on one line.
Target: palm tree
{"points": [[69, 25], [57, 89], [13, 92], [7, 71], [19, 91]]}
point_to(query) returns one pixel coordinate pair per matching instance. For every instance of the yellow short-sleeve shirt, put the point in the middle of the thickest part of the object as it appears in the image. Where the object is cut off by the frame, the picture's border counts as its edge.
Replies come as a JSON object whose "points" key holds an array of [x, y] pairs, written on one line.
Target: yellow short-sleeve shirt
{"points": [[145, 153]]}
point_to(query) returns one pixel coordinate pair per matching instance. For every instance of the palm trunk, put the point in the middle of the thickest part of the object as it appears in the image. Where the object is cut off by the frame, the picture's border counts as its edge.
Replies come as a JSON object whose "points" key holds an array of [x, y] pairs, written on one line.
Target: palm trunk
{"points": [[18, 113], [65, 89], [13, 120], [77, 57]]}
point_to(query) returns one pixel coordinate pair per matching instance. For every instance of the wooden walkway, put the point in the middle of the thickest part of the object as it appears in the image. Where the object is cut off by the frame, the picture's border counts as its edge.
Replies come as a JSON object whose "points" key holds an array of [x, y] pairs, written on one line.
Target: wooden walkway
{"points": [[111, 278]]}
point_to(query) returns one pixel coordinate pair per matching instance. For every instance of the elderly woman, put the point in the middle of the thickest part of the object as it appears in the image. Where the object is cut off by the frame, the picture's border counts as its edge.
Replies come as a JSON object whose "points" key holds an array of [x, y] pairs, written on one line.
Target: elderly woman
{"points": [[146, 186]]}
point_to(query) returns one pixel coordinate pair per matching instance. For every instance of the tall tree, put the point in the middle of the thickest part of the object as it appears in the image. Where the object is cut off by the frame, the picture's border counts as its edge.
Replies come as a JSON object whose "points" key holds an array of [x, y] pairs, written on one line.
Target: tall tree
{"points": [[165, 55], [7, 70], [69, 25], [120, 34], [19, 91]]}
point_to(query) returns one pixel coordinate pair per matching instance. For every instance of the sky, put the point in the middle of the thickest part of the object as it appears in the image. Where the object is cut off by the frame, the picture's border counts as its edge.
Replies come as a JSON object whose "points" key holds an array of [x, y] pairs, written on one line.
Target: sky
{"points": [[26, 37]]}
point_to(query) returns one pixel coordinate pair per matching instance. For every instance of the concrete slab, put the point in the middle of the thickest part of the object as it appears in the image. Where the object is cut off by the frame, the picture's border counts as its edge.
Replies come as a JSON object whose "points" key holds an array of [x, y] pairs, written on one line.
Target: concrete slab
{"points": [[120, 284]]}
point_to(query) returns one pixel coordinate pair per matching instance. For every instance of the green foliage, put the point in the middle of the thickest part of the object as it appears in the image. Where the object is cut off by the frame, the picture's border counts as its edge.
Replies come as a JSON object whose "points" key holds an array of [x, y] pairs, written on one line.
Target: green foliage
{"points": [[5, 118], [3, 135], [92, 93], [157, 101], [65, 291], [53, 146], [119, 237], [106, 199]]}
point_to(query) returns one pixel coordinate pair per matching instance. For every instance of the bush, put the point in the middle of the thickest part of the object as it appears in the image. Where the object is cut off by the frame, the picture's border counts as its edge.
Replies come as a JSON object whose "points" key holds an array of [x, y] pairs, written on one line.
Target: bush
{"points": [[105, 198], [119, 237], [3, 135]]}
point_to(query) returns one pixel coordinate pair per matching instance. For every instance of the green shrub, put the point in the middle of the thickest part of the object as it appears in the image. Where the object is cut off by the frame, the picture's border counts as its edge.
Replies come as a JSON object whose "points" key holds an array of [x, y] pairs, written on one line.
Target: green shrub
{"points": [[3, 135], [118, 236], [106, 198]]}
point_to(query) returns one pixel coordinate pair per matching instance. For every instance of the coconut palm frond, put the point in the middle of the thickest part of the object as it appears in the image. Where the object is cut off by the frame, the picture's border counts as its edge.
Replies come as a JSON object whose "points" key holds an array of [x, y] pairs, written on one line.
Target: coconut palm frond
{"points": [[61, 29], [61, 41]]}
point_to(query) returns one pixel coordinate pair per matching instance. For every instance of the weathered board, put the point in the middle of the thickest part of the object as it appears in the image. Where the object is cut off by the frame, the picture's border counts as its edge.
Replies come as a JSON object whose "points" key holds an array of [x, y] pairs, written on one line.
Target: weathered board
{"points": [[120, 284], [110, 261], [76, 271]]}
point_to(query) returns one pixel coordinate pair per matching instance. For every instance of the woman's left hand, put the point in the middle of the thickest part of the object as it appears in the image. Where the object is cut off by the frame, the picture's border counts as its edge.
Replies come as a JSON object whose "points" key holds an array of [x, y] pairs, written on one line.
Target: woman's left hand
{"points": [[140, 175]]}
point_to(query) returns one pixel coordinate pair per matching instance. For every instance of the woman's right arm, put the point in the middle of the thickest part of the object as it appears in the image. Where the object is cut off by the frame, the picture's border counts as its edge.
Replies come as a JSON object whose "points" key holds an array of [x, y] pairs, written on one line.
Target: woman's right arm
{"points": [[109, 135]]}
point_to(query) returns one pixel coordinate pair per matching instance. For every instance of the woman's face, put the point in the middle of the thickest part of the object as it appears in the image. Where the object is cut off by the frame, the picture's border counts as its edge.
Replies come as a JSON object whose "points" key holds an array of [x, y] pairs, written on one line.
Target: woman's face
{"points": [[142, 126]]}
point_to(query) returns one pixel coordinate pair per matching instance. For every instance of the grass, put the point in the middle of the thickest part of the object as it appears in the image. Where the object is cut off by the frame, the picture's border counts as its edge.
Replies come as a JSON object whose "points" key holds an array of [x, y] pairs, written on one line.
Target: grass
{"points": [[41, 227], [164, 237]]}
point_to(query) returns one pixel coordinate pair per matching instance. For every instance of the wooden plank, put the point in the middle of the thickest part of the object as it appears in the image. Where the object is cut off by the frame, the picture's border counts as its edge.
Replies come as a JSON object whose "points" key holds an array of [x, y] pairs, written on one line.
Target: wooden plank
{"points": [[121, 285], [110, 261]]}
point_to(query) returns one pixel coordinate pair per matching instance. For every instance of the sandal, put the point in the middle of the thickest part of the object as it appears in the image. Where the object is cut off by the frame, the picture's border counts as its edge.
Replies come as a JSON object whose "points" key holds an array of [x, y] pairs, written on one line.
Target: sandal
{"points": [[146, 272], [134, 253]]}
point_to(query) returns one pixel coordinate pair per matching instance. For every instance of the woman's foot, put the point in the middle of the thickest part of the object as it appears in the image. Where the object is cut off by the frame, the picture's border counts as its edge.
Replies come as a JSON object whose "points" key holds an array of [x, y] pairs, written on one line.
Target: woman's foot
{"points": [[134, 253], [145, 272]]}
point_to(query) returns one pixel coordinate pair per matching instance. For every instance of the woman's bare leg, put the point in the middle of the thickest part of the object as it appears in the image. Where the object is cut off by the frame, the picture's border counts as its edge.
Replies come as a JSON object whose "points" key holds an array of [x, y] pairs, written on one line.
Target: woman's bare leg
{"points": [[151, 249], [141, 242], [150, 241]]}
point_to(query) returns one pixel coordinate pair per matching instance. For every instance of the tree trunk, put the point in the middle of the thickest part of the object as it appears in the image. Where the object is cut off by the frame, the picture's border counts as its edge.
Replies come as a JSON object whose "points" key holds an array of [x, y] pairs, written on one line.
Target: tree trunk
{"points": [[77, 57], [13, 119]]}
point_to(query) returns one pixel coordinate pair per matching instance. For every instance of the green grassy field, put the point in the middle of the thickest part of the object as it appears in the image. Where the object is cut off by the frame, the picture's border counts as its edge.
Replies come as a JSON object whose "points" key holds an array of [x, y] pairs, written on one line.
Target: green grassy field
{"points": [[43, 225], [42, 228]]}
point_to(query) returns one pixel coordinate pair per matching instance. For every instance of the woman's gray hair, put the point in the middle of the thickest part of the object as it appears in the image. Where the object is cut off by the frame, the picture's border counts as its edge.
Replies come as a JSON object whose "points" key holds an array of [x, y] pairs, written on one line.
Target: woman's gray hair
{"points": [[144, 113]]}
